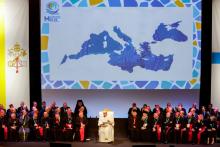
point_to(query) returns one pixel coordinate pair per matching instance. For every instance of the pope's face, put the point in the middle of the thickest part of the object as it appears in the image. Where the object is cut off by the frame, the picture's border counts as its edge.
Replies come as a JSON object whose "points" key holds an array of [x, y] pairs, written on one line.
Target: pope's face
{"points": [[104, 114]]}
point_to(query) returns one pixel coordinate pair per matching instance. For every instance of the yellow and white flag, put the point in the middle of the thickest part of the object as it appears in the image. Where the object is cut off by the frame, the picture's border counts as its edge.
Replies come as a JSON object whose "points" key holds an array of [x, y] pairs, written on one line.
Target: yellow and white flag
{"points": [[14, 52]]}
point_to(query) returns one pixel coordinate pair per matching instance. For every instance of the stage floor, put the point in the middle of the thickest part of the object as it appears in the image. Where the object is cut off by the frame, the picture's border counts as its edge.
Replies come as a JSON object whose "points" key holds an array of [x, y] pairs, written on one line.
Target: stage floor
{"points": [[122, 142]]}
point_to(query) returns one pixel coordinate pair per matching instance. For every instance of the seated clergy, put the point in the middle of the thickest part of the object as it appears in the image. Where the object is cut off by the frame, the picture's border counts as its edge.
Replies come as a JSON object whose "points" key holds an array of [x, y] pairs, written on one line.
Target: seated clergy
{"points": [[134, 107], [81, 124], [167, 127], [46, 125], [13, 127], [189, 129], [178, 124], [156, 130], [211, 125], [68, 125], [63, 109], [200, 128], [106, 126], [56, 127], [36, 131], [24, 129], [134, 126], [145, 131], [3, 126]]}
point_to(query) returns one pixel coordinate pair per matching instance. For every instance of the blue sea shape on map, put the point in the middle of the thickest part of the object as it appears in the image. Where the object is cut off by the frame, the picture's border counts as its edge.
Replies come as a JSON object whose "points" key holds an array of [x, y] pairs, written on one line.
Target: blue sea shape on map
{"points": [[125, 55], [165, 31], [97, 44]]}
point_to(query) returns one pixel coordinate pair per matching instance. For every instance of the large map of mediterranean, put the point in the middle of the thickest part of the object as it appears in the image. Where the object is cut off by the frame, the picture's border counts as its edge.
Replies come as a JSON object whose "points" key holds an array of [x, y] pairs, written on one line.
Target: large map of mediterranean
{"points": [[126, 56]]}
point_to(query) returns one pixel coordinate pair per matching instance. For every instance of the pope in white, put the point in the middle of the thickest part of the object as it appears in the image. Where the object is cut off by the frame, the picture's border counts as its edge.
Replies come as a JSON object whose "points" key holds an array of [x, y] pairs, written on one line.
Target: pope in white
{"points": [[106, 126]]}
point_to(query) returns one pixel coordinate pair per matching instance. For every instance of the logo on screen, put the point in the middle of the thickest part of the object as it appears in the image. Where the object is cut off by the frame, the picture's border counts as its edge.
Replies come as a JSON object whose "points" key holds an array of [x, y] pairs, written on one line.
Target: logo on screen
{"points": [[52, 10]]}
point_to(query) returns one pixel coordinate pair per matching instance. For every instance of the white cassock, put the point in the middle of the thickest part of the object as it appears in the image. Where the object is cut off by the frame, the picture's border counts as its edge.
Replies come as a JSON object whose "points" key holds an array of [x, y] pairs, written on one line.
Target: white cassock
{"points": [[106, 127]]}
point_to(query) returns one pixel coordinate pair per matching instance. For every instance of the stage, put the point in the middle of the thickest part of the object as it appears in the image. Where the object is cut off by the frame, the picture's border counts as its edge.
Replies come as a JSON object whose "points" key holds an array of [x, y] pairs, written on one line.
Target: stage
{"points": [[119, 142]]}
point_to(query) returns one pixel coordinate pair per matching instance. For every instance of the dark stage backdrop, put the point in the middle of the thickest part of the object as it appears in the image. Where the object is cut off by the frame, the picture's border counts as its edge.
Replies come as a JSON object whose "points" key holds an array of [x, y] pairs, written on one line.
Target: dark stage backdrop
{"points": [[120, 100]]}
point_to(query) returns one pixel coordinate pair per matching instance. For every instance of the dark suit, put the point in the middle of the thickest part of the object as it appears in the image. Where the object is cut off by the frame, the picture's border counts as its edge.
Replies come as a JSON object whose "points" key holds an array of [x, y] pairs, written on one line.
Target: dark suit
{"points": [[134, 128]]}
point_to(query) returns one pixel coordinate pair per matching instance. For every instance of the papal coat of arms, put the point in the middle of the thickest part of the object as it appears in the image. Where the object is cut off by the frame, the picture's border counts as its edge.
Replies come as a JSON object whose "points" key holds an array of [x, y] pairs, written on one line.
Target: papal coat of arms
{"points": [[17, 57]]}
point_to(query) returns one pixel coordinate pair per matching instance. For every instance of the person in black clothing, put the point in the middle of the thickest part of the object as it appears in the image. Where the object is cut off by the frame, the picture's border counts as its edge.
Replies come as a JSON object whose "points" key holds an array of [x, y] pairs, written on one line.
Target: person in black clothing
{"points": [[57, 127], [33, 110], [167, 127], [42, 110], [80, 125], [183, 117], [157, 108], [200, 129], [13, 126], [194, 113], [210, 110], [189, 128], [35, 128], [156, 127], [63, 109], [21, 108], [3, 126], [145, 124], [203, 112], [216, 113], [211, 129], [9, 111], [34, 104], [169, 109], [146, 109], [46, 125], [134, 126], [80, 107], [68, 125], [178, 124], [181, 108], [24, 129], [53, 109], [195, 107], [134, 107]]}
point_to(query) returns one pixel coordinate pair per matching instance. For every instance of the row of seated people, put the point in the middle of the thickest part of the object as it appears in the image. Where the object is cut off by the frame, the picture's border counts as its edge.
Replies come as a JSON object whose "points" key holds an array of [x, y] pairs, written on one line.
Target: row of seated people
{"points": [[52, 109], [174, 125], [54, 123], [47, 124]]}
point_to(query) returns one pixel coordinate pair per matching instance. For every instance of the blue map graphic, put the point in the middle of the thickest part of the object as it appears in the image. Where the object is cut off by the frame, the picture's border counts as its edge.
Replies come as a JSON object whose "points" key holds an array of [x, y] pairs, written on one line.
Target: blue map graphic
{"points": [[125, 55]]}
